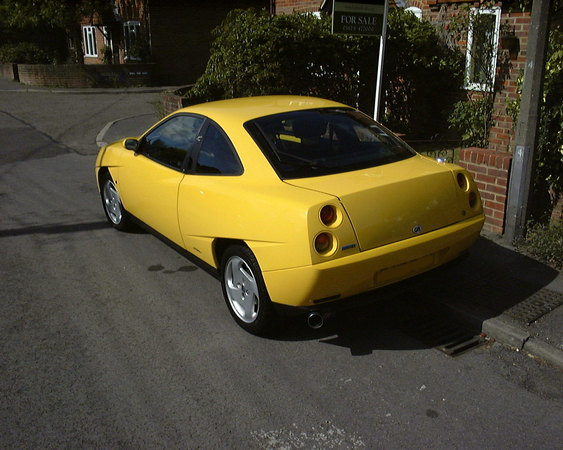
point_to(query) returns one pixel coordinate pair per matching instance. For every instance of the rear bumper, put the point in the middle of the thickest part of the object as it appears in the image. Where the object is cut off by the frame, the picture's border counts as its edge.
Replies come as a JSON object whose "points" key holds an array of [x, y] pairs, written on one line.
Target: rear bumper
{"points": [[314, 285]]}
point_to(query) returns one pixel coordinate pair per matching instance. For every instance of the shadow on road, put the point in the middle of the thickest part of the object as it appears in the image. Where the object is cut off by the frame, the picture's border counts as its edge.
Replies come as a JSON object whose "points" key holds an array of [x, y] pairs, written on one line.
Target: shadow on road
{"points": [[421, 312]]}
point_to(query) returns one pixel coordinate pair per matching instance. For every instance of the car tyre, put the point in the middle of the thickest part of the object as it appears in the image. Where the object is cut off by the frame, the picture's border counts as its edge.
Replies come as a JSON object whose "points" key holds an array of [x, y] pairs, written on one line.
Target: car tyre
{"points": [[245, 292], [116, 214]]}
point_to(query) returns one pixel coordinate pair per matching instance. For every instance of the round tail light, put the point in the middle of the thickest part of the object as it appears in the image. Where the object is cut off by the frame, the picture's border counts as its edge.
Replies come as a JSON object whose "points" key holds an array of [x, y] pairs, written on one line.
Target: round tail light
{"points": [[328, 215], [323, 243], [462, 181]]}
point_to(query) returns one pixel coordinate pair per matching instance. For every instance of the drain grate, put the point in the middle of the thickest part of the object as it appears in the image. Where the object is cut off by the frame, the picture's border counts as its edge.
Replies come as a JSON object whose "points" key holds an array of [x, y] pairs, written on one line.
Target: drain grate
{"points": [[442, 332], [536, 306]]}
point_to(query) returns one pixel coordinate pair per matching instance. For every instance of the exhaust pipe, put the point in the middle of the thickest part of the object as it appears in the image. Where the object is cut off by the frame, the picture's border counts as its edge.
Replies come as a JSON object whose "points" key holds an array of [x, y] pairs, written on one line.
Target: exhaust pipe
{"points": [[315, 320]]}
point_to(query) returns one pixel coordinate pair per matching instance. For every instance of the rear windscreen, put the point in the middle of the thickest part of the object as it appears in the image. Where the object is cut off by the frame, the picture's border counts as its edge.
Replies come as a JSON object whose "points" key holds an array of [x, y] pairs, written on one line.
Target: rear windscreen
{"points": [[311, 143]]}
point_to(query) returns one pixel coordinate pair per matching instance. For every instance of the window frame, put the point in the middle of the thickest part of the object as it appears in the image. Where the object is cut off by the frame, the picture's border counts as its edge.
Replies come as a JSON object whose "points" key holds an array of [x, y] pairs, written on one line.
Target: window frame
{"points": [[189, 156], [89, 39], [192, 170], [272, 153], [127, 31], [469, 74]]}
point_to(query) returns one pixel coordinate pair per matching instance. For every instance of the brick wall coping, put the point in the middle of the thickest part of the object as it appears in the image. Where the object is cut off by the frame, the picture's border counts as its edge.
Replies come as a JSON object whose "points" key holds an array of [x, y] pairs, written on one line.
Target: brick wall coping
{"points": [[489, 158], [86, 75]]}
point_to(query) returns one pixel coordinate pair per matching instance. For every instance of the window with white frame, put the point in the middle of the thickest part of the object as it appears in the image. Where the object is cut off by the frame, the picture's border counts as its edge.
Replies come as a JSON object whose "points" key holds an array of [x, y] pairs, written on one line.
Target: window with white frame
{"points": [[131, 35], [89, 36], [482, 48]]}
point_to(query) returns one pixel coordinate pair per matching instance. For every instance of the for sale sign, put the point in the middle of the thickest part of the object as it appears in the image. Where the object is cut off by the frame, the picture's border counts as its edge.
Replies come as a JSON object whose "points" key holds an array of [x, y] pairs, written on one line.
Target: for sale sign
{"points": [[358, 17]]}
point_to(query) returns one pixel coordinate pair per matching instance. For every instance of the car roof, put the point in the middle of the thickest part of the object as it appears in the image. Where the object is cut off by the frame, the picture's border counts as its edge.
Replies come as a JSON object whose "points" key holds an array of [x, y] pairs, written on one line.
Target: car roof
{"points": [[247, 108]]}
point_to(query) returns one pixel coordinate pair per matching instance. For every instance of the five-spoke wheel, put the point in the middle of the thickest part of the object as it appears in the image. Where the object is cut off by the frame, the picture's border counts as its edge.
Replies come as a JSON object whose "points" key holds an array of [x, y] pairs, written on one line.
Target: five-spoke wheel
{"points": [[244, 290], [115, 213]]}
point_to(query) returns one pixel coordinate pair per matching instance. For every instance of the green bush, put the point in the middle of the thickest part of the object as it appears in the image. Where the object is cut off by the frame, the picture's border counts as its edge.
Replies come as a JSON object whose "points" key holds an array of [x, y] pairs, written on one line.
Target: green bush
{"points": [[256, 53], [473, 117], [107, 54], [24, 53], [422, 76], [545, 243]]}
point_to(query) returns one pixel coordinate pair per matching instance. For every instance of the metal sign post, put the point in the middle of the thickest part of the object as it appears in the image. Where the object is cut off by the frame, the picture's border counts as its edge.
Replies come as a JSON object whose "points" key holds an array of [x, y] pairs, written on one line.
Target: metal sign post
{"points": [[364, 18], [379, 80]]}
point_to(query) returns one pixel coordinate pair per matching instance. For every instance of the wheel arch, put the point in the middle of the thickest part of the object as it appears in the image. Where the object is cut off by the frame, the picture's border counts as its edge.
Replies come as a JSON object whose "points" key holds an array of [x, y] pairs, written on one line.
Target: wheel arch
{"points": [[220, 245], [102, 172]]}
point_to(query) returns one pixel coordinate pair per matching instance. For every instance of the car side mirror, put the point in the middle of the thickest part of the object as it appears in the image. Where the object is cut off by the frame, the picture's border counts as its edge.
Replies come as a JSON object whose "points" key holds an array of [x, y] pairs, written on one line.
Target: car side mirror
{"points": [[131, 144]]}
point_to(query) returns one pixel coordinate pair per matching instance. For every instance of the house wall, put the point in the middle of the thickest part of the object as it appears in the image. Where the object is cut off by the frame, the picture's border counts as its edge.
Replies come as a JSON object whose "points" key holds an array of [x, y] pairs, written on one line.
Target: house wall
{"points": [[181, 35], [440, 13]]}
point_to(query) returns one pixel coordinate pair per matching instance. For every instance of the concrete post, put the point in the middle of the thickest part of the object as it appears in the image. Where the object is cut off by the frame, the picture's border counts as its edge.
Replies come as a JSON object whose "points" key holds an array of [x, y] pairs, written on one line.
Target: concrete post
{"points": [[528, 121]]}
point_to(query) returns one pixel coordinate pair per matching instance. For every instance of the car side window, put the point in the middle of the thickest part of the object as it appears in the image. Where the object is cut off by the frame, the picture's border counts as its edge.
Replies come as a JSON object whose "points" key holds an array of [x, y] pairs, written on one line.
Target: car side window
{"points": [[170, 142], [217, 155]]}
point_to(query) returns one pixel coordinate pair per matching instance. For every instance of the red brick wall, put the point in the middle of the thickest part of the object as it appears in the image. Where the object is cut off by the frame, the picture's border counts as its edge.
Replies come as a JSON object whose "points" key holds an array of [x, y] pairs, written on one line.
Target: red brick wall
{"points": [[293, 6], [490, 170], [502, 133], [85, 76]]}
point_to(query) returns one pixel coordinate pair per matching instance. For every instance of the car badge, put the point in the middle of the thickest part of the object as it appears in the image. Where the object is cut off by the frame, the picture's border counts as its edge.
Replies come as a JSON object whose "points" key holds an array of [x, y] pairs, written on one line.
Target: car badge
{"points": [[417, 229]]}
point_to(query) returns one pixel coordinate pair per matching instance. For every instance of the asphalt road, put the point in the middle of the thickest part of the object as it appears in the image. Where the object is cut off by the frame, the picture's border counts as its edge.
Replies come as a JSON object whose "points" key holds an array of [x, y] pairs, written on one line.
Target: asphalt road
{"points": [[112, 339]]}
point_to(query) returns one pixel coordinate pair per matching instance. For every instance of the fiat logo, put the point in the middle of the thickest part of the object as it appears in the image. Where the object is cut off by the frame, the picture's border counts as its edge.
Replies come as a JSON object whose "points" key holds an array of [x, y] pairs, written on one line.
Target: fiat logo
{"points": [[417, 229]]}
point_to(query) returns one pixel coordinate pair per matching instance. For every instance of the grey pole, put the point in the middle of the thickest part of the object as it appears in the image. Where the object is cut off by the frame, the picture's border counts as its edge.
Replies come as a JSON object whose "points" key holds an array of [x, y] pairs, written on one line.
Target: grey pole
{"points": [[527, 125], [379, 80]]}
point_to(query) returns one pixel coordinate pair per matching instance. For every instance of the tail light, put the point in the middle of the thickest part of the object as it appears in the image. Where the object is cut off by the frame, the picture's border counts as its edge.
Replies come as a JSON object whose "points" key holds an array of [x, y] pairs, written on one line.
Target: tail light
{"points": [[328, 215], [324, 243], [462, 181]]}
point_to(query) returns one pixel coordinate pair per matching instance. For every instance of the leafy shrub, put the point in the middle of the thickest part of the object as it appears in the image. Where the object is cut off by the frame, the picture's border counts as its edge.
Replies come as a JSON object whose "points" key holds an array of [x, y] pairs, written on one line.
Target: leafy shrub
{"points": [[24, 53], [473, 117], [545, 243], [256, 53], [107, 54], [422, 76]]}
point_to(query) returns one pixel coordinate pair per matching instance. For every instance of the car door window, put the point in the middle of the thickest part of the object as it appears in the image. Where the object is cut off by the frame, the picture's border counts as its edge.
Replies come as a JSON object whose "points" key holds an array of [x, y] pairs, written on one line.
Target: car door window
{"points": [[170, 142], [217, 155]]}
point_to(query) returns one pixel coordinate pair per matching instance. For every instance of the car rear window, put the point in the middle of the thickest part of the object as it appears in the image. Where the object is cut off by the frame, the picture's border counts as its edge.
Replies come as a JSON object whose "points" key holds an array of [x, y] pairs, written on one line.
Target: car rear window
{"points": [[301, 144]]}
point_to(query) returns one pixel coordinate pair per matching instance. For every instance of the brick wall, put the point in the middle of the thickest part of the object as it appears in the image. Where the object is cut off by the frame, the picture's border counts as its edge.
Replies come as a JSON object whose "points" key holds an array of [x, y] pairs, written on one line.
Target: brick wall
{"points": [[172, 101], [86, 76], [490, 170], [9, 71], [297, 6]]}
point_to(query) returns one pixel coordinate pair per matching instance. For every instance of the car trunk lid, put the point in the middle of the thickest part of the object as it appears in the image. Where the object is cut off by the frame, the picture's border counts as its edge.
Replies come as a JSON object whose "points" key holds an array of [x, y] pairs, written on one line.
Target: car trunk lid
{"points": [[392, 202]]}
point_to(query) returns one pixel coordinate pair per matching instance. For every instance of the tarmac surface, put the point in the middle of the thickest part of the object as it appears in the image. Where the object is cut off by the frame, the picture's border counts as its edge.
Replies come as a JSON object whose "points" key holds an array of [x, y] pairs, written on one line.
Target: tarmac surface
{"points": [[513, 298]]}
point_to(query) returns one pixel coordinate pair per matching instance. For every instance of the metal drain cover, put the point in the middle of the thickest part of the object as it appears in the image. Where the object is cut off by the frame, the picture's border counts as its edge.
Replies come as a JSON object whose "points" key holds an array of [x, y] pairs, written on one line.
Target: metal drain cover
{"points": [[536, 306], [442, 333]]}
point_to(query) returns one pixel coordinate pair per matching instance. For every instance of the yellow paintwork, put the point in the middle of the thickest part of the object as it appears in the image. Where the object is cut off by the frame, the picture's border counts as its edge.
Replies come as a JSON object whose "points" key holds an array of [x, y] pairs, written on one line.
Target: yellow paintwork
{"points": [[377, 209]]}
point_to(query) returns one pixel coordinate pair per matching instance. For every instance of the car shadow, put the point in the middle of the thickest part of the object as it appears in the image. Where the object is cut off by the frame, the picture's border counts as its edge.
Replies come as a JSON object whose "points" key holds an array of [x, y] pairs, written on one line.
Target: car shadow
{"points": [[490, 281]]}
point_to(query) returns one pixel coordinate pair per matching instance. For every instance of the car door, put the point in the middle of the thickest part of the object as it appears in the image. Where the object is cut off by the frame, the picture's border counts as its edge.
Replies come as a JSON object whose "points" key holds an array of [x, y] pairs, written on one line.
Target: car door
{"points": [[149, 184], [208, 191]]}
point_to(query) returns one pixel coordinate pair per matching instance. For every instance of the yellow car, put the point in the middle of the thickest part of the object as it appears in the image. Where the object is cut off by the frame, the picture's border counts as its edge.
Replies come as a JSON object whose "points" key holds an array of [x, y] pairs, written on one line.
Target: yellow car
{"points": [[296, 201]]}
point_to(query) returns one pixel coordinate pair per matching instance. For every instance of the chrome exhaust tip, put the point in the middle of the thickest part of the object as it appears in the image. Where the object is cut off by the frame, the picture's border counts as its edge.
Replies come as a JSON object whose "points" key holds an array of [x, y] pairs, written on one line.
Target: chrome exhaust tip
{"points": [[315, 320]]}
